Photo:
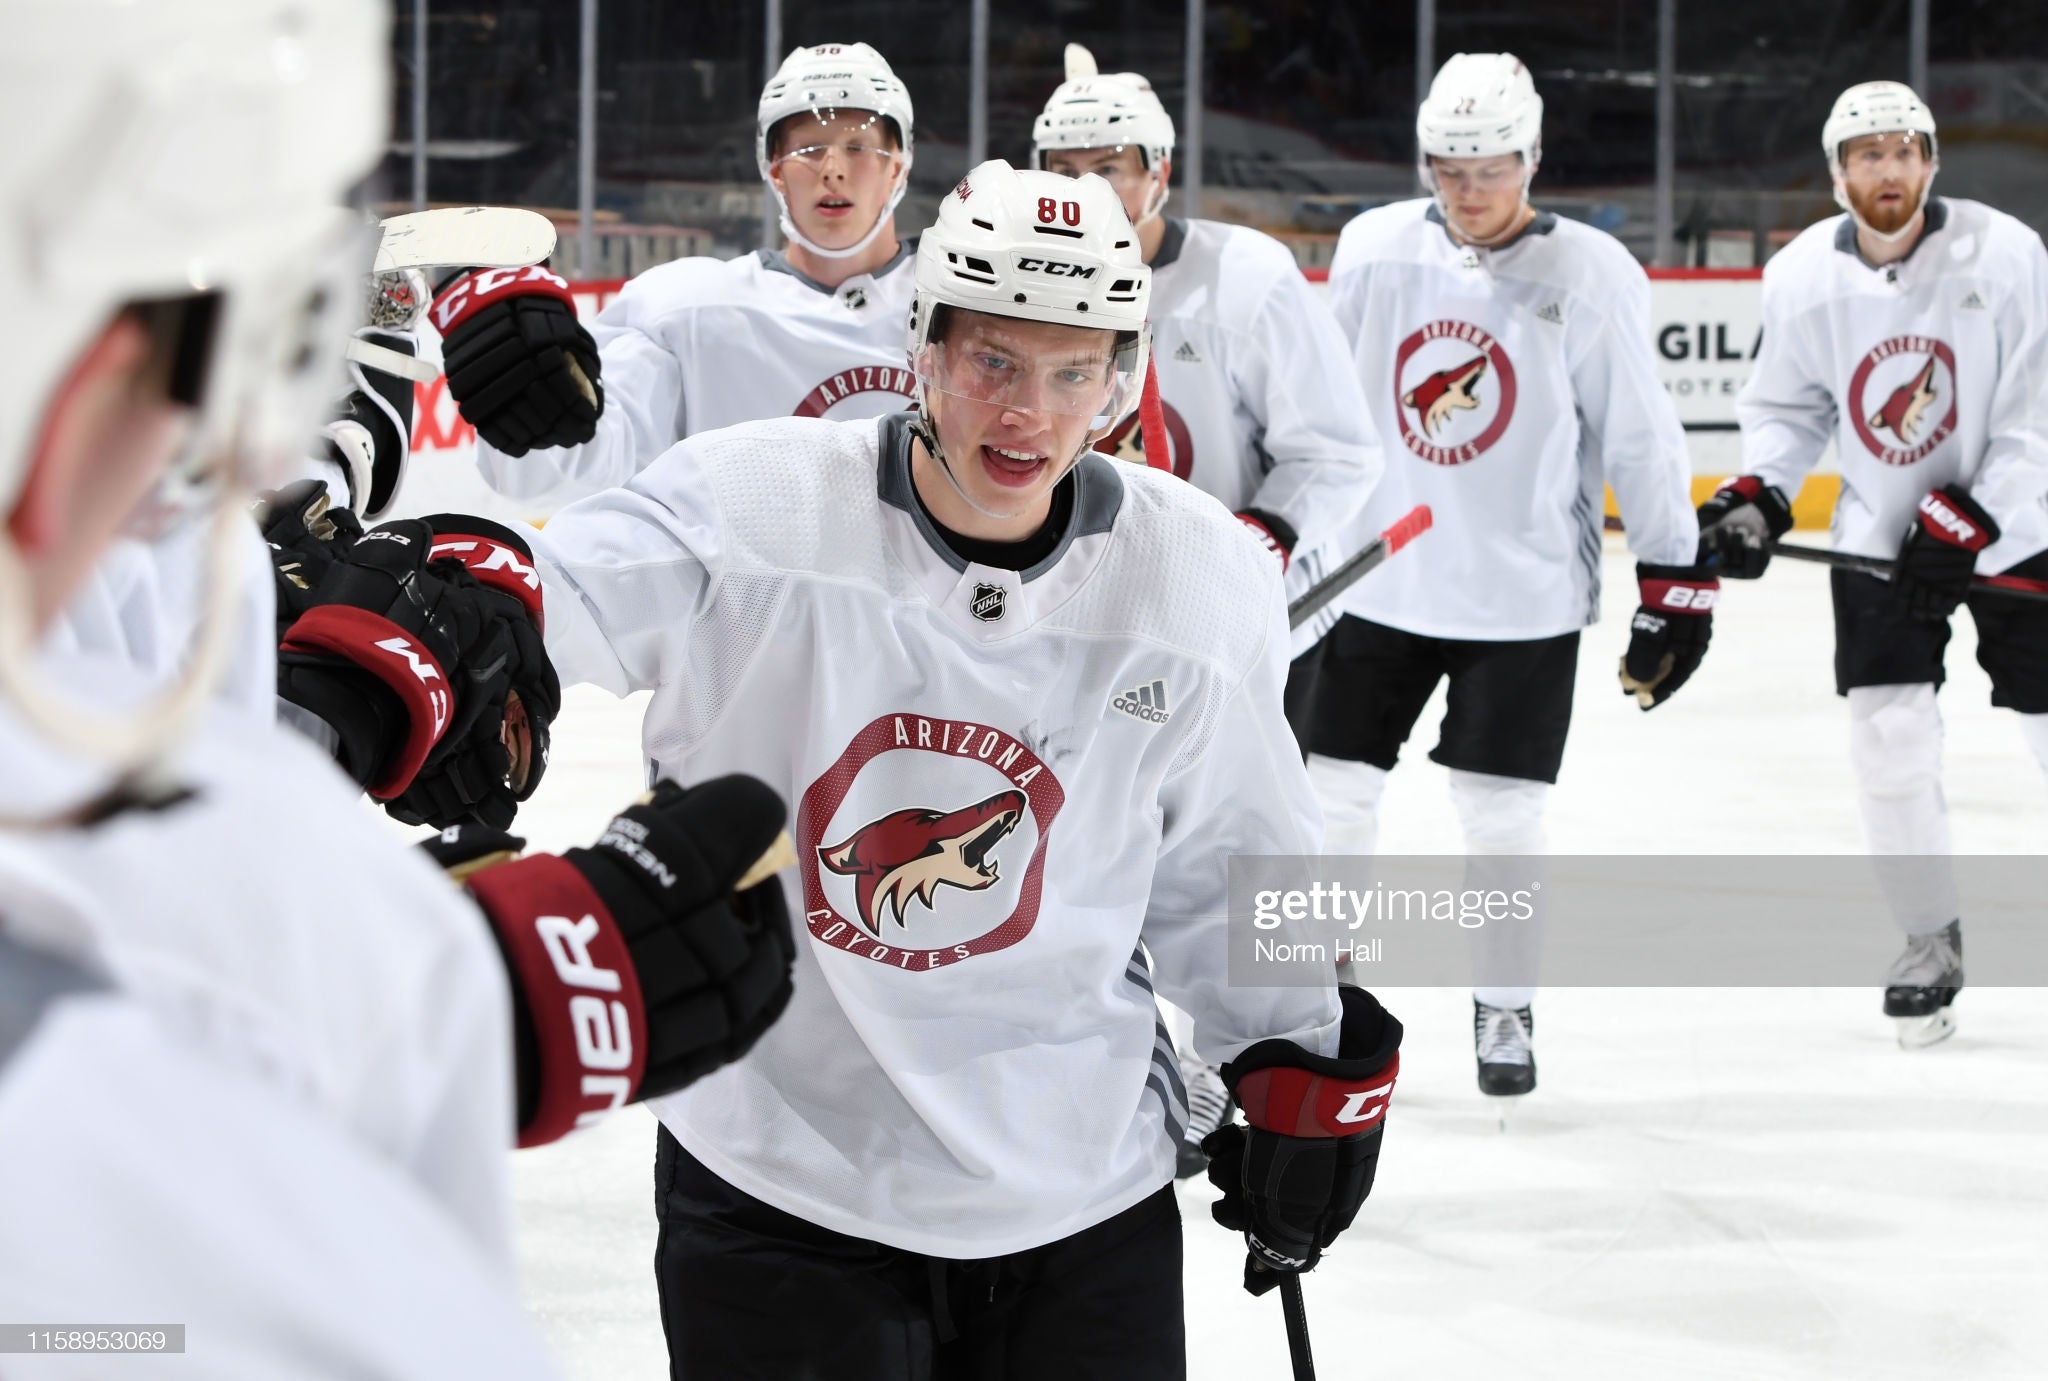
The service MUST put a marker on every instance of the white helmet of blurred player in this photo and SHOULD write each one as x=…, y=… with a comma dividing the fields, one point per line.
x=1481, y=105
x=1035, y=246
x=1105, y=110
x=189, y=160
x=819, y=81
x=1878, y=108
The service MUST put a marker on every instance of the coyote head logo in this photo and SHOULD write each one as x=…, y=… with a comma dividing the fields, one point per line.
x=1444, y=392
x=908, y=854
x=1908, y=403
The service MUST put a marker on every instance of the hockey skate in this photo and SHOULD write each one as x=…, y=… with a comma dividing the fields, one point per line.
x=1501, y=1040
x=1923, y=983
x=1209, y=1105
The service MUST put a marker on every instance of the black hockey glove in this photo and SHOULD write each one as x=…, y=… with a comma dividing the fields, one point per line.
x=521, y=367
x=1939, y=555
x=642, y=963
x=306, y=537
x=1738, y=525
x=370, y=433
x=394, y=658
x=1274, y=532
x=1669, y=634
x=1295, y=1178
x=496, y=750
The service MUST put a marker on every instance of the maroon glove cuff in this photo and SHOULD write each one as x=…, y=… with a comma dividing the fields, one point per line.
x=1679, y=594
x=497, y=556
x=1271, y=537
x=1301, y=1102
x=579, y=986
x=396, y=658
x=472, y=292
x=1950, y=515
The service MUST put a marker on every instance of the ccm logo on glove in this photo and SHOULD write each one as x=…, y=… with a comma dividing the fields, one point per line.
x=473, y=292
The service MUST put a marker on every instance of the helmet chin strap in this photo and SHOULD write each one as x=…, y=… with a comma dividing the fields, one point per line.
x=882, y=221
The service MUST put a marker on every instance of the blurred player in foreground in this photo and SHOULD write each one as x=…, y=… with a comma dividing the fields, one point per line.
x=1912, y=331
x=260, y=1066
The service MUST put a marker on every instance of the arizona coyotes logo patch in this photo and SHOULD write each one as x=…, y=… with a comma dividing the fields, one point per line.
x=907, y=855
x=1126, y=440
x=1902, y=398
x=924, y=843
x=1454, y=392
x=900, y=384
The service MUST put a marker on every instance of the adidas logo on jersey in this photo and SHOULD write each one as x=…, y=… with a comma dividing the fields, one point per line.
x=1146, y=702
x=1551, y=313
x=1187, y=354
x=1972, y=303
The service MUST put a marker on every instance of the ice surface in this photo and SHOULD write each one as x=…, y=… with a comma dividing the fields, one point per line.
x=1707, y=1184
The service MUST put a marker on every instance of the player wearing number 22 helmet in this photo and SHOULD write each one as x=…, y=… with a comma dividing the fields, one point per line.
x=1025, y=703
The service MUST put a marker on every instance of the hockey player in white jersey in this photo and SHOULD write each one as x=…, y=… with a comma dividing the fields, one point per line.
x=1505, y=353
x=814, y=330
x=197, y=920
x=1027, y=703
x=1912, y=331
x=1261, y=406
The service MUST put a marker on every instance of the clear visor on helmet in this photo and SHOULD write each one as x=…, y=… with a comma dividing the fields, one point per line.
x=1032, y=368
x=858, y=139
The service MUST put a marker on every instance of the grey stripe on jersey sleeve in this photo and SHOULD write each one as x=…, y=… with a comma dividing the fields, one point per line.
x=1163, y=1078
x=31, y=982
x=1098, y=496
x=1592, y=521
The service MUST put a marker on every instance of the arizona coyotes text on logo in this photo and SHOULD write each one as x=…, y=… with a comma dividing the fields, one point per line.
x=945, y=813
x=1454, y=392
x=1126, y=441
x=1902, y=398
x=866, y=378
x=908, y=855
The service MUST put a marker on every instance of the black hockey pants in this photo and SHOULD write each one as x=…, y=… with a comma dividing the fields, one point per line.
x=748, y=1291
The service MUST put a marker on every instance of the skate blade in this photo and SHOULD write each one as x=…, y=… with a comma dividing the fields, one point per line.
x=1917, y=1033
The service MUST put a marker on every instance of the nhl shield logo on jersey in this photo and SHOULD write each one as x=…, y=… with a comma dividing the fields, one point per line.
x=849, y=383
x=1454, y=392
x=1902, y=398
x=924, y=843
x=987, y=602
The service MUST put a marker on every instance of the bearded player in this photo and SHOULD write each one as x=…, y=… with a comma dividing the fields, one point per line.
x=1027, y=702
x=1261, y=407
x=1910, y=331
x=814, y=330
x=1505, y=354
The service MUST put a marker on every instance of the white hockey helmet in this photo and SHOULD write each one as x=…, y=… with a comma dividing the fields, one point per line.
x=1878, y=108
x=196, y=154
x=818, y=81
x=1102, y=110
x=1480, y=105
x=1037, y=246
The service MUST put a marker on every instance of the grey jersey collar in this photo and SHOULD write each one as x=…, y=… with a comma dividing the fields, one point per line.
x=775, y=261
x=1098, y=495
x=1545, y=222
x=1936, y=212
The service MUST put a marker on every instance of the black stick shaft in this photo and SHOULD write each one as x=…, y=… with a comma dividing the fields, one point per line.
x=2013, y=587
x=1297, y=1327
x=1310, y=602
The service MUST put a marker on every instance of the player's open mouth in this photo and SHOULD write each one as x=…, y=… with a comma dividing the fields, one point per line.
x=1011, y=468
x=834, y=207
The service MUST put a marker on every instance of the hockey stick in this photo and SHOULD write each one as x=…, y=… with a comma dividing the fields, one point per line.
x=1152, y=423
x=465, y=237
x=1297, y=1327
x=2014, y=586
x=1405, y=530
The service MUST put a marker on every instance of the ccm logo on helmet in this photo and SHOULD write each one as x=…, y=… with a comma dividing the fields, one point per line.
x=1056, y=268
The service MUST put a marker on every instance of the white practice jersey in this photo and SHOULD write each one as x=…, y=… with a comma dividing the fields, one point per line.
x=1506, y=385
x=1262, y=408
x=1007, y=789
x=147, y=1184
x=700, y=344
x=380, y=1003
x=1927, y=372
